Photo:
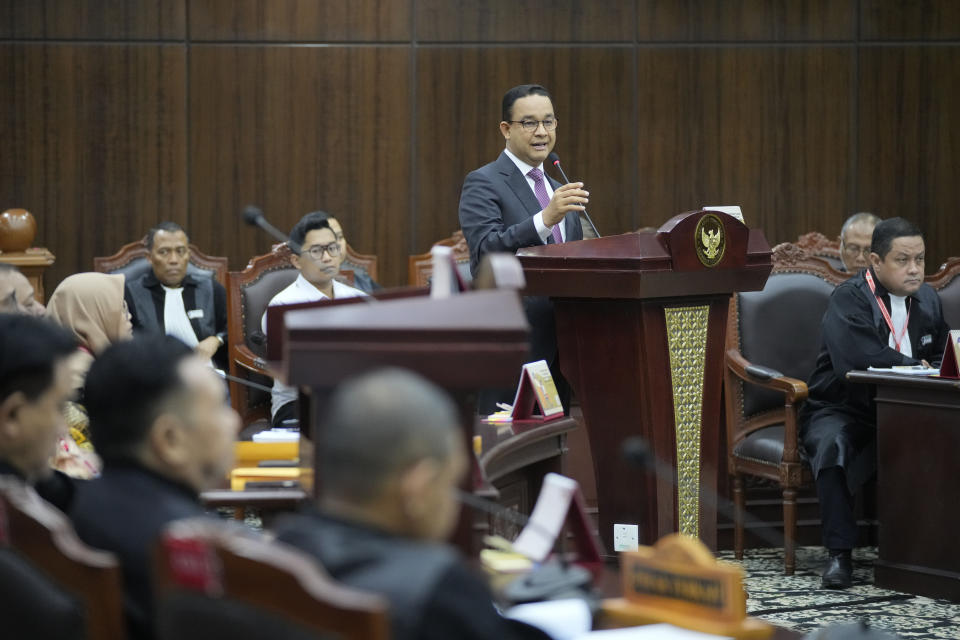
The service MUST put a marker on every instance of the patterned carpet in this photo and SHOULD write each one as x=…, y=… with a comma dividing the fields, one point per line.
x=798, y=603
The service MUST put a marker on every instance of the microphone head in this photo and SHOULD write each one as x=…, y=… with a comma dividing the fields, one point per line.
x=636, y=451
x=252, y=215
x=553, y=158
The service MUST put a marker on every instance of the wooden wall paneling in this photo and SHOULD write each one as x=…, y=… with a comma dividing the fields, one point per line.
x=745, y=20
x=93, y=19
x=765, y=128
x=98, y=145
x=295, y=129
x=458, y=115
x=300, y=20
x=909, y=140
x=909, y=20
x=530, y=21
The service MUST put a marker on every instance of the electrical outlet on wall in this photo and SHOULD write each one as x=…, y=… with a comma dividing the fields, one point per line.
x=626, y=537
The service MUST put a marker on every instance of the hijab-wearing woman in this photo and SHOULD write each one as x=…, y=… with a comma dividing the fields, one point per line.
x=92, y=307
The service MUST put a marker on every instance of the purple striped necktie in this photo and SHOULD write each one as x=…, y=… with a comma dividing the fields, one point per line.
x=540, y=190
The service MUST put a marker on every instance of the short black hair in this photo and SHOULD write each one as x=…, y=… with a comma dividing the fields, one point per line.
x=310, y=222
x=29, y=350
x=377, y=426
x=889, y=230
x=166, y=225
x=521, y=91
x=127, y=387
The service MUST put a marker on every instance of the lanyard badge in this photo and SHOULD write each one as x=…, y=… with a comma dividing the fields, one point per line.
x=897, y=340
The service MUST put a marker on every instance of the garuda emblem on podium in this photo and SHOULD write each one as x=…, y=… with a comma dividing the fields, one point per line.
x=710, y=240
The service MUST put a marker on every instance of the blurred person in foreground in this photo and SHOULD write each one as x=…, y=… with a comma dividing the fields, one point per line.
x=159, y=421
x=391, y=457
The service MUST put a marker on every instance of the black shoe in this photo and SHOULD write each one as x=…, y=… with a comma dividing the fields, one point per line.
x=839, y=572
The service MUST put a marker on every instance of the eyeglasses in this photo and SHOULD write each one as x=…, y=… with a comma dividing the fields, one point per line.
x=316, y=251
x=852, y=250
x=531, y=125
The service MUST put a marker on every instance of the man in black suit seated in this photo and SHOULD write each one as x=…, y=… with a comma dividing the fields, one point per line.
x=169, y=300
x=159, y=421
x=511, y=203
x=881, y=317
x=391, y=457
x=35, y=382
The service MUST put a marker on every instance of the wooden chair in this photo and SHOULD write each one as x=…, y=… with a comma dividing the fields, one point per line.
x=352, y=259
x=773, y=339
x=52, y=585
x=248, y=294
x=818, y=245
x=420, y=266
x=216, y=582
x=947, y=285
x=131, y=261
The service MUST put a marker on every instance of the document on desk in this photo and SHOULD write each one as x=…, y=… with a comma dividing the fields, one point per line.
x=907, y=370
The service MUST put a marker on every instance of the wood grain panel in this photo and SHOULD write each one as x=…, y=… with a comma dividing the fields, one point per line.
x=93, y=19
x=909, y=149
x=458, y=115
x=95, y=145
x=295, y=129
x=300, y=20
x=909, y=20
x=765, y=128
x=527, y=21
x=745, y=20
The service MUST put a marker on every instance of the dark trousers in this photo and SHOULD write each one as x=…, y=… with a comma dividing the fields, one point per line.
x=837, y=520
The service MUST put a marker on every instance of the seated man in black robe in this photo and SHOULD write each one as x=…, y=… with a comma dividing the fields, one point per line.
x=882, y=317
x=391, y=457
x=35, y=382
x=159, y=421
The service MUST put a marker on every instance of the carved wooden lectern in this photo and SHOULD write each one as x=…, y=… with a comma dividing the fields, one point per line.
x=641, y=320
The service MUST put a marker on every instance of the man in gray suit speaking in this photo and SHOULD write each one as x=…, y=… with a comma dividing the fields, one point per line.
x=511, y=203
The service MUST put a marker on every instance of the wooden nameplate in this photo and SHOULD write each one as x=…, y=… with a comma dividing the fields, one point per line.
x=678, y=581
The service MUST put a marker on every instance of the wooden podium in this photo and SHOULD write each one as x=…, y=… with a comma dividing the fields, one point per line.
x=475, y=340
x=641, y=320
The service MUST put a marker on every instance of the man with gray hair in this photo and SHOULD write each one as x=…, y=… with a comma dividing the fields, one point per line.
x=855, y=236
x=391, y=455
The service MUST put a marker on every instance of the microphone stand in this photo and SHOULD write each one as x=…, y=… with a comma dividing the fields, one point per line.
x=556, y=163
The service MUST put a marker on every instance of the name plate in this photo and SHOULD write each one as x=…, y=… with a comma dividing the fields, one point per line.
x=678, y=581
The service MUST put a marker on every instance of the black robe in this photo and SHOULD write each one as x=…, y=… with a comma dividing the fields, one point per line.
x=838, y=421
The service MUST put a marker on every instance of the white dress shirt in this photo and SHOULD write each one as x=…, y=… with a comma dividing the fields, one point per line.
x=542, y=229
x=300, y=290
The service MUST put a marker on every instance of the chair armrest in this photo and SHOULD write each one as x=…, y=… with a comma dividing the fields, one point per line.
x=794, y=390
x=247, y=359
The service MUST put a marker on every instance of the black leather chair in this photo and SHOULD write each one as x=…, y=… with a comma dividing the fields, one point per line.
x=773, y=338
x=947, y=285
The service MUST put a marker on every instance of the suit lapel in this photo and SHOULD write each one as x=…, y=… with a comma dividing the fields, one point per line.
x=518, y=184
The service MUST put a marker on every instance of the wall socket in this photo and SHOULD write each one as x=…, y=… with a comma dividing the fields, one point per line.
x=626, y=537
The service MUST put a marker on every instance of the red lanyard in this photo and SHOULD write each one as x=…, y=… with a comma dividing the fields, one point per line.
x=897, y=340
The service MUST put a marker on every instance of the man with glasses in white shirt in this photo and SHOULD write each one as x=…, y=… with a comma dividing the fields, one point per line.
x=318, y=261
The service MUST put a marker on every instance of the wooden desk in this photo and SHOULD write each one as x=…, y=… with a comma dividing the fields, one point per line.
x=32, y=264
x=918, y=490
x=513, y=461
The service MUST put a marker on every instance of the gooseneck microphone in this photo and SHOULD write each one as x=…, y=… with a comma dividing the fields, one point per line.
x=254, y=217
x=555, y=161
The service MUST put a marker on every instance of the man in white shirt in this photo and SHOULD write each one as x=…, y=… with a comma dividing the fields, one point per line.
x=319, y=263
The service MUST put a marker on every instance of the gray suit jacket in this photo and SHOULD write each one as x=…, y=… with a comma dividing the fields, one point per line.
x=497, y=208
